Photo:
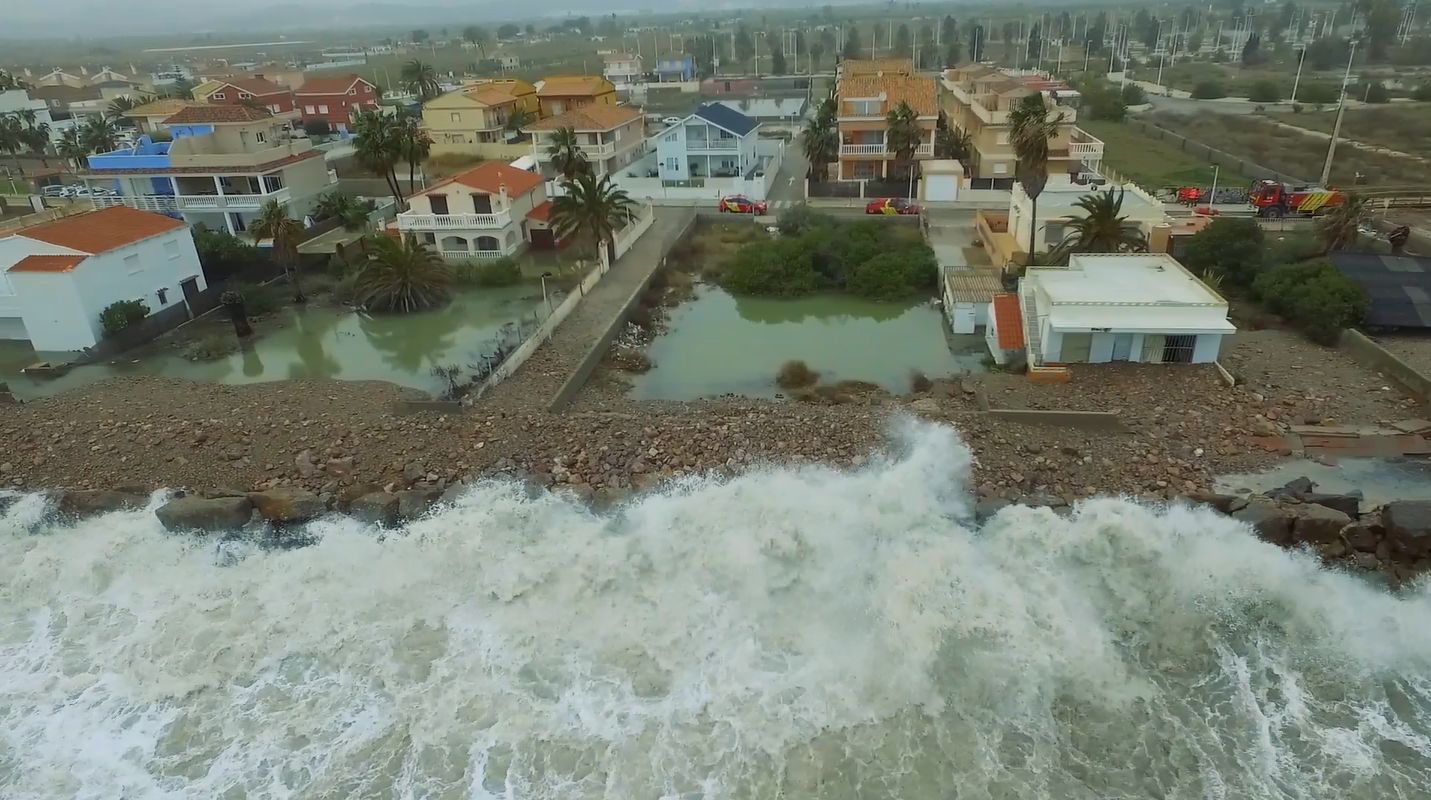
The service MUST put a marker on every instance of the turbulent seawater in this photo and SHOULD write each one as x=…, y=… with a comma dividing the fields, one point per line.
x=794, y=632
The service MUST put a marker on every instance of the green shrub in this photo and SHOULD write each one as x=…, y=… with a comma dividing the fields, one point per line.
x=121, y=314
x=800, y=218
x=262, y=299
x=210, y=347
x=1264, y=92
x=1133, y=95
x=1313, y=296
x=1209, y=90
x=894, y=276
x=223, y=256
x=780, y=268
x=1373, y=92
x=1422, y=92
x=502, y=272
x=1317, y=94
x=1228, y=247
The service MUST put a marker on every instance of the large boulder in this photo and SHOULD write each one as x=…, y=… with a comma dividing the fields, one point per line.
x=1271, y=521
x=91, y=502
x=1408, y=526
x=1364, y=534
x=1222, y=503
x=413, y=503
x=375, y=508
x=209, y=514
x=1317, y=524
x=284, y=505
x=1349, y=504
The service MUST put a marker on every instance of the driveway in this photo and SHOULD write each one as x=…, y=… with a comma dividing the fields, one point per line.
x=789, y=187
x=950, y=231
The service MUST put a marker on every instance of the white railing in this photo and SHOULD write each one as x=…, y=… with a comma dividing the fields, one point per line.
x=862, y=149
x=230, y=202
x=157, y=203
x=408, y=221
x=989, y=117
x=467, y=255
x=924, y=150
x=603, y=149
x=714, y=144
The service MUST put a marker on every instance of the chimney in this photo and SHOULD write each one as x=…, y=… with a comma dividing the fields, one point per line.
x=502, y=192
x=1161, y=239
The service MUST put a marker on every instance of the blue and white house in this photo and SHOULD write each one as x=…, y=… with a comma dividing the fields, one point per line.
x=676, y=68
x=713, y=142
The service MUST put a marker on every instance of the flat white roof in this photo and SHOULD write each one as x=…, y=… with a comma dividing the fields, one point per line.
x=1140, y=291
x=1063, y=194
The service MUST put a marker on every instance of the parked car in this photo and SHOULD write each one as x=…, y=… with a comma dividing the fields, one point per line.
x=740, y=204
x=671, y=121
x=891, y=206
x=85, y=191
x=55, y=190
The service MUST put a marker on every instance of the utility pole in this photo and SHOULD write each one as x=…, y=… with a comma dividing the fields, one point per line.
x=1337, y=126
x=1298, y=80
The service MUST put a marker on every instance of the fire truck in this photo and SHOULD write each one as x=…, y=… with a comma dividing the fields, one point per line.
x=1276, y=199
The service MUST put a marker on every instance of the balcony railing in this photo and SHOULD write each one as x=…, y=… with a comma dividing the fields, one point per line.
x=230, y=202
x=464, y=255
x=409, y=221
x=924, y=150
x=158, y=203
x=713, y=144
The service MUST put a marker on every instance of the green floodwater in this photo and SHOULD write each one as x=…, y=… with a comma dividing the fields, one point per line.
x=721, y=344
x=315, y=342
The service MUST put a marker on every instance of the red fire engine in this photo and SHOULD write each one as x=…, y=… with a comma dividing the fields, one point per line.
x=1275, y=199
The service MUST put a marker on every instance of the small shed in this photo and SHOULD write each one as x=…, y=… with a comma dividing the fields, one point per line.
x=967, y=294
x=941, y=180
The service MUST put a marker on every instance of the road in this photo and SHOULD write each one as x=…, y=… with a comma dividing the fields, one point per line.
x=790, y=180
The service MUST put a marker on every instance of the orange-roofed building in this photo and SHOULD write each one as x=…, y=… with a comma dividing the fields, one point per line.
x=1005, y=332
x=610, y=136
x=481, y=118
x=490, y=211
x=562, y=93
x=256, y=91
x=336, y=100
x=865, y=95
x=56, y=278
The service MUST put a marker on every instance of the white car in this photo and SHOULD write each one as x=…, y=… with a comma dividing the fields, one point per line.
x=671, y=121
x=55, y=190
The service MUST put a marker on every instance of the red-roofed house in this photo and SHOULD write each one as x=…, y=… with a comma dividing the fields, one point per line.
x=57, y=277
x=1005, y=331
x=256, y=91
x=336, y=100
x=489, y=211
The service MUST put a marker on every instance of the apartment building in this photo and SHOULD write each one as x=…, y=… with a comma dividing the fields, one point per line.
x=977, y=99
x=563, y=93
x=223, y=164
x=336, y=100
x=866, y=93
x=489, y=211
x=610, y=136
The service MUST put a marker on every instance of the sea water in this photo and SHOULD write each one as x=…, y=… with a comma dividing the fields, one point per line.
x=794, y=631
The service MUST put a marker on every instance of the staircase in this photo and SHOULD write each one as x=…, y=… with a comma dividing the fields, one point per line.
x=1038, y=371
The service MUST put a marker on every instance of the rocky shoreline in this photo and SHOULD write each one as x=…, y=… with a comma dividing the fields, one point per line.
x=1393, y=539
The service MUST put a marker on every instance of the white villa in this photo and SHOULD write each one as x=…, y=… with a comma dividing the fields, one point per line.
x=489, y=211
x=715, y=141
x=1056, y=205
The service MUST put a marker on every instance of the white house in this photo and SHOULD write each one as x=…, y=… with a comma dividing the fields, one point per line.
x=56, y=278
x=623, y=69
x=489, y=211
x=1057, y=204
x=713, y=142
x=1102, y=307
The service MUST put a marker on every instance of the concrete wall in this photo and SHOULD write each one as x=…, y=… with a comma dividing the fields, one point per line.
x=1100, y=350
x=1372, y=355
x=54, y=311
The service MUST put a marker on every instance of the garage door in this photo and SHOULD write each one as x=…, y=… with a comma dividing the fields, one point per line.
x=12, y=328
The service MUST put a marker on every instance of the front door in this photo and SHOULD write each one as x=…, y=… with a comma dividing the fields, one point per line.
x=192, y=299
x=1122, y=346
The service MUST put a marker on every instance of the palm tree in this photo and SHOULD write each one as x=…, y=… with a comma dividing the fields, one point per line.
x=72, y=149
x=594, y=208
x=950, y=142
x=1030, y=129
x=274, y=223
x=903, y=136
x=476, y=34
x=565, y=153
x=121, y=105
x=348, y=210
x=821, y=140
x=99, y=135
x=1341, y=226
x=420, y=79
x=519, y=118
x=12, y=139
x=413, y=144
x=402, y=276
x=1102, y=228
x=377, y=148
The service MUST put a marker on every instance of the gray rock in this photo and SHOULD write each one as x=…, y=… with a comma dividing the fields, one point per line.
x=1363, y=534
x=1348, y=504
x=1302, y=485
x=1408, y=526
x=985, y=509
x=209, y=514
x=1366, y=561
x=1271, y=521
x=926, y=406
x=77, y=503
x=413, y=503
x=1224, y=503
x=452, y=493
x=287, y=505
x=376, y=508
x=1317, y=524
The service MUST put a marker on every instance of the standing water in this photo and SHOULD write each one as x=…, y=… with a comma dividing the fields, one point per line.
x=791, y=632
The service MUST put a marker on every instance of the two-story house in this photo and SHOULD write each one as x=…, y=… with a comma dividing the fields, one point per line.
x=714, y=141
x=864, y=102
x=56, y=278
x=610, y=136
x=563, y=93
x=489, y=211
x=525, y=92
x=977, y=99
x=623, y=69
x=477, y=120
x=223, y=164
x=150, y=117
x=256, y=91
x=336, y=100
x=675, y=68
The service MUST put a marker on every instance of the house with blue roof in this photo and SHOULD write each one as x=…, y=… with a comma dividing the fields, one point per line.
x=715, y=141
x=675, y=68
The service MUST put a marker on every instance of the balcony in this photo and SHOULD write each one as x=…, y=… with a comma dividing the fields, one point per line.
x=925, y=150
x=230, y=202
x=421, y=222
x=601, y=150
x=464, y=255
x=159, y=203
x=713, y=144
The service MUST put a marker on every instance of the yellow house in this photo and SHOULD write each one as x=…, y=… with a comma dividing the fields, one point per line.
x=563, y=93
x=525, y=93
x=474, y=120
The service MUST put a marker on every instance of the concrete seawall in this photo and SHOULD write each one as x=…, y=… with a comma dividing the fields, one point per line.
x=1372, y=355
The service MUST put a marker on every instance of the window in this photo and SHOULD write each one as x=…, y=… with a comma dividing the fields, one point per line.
x=864, y=108
x=245, y=96
x=1002, y=138
x=322, y=109
x=1053, y=233
x=673, y=164
x=275, y=109
x=353, y=91
x=430, y=238
x=1001, y=169
x=171, y=249
x=132, y=265
x=438, y=203
x=260, y=136
x=456, y=116
x=1178, y=349
x=308, y=109
x=217, y=95
x=1075, y=348
x=163, y=297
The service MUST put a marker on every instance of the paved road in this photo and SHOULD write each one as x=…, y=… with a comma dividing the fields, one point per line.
x=790, y=180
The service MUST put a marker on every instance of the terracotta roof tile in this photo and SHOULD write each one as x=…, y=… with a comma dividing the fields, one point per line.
x=596, y=117
x=97, y=232
x=1009, y=321
x=337, y=84
x=159, y=108
x=489, y=176
x=541, y=213
x=490, y=95
x=920, y=93
x=889, y=66
x=207, y=114
x=47, y=263
x=574, y=85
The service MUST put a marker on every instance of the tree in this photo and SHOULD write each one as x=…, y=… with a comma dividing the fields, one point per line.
x=951, y=142
x=1380, y=20
x=903, y=43
x=476, y=35
x=821, y=140
x=1339, y=228
x=1371, y=91
x=8, y=82
x=508, y=31
x=1314, y=296
x=1229, y=249
x=594, y=208
x=1030, y=129
x=274, y=223
x=519, y=118
x=72, y=149
x=948, y=29
x=565, y=153
x=1264, y=91
x=402, y=276
x=851, y=47
x=777, y=61
x=99, y=135
x=1208, y=90
x=351, y=212
x=1252, y=51
x=12, y=139
x=376, y=147
x=121, y=314
x=1008, y=39
x=817, y=54
x=1035, y=45
x=903, y=136
x=1326, y=54
x=420, y=79
x=1133, y=95
x=976, y=43
x=744, y=44
x=1102, y=228
x=1422, y=92
x=419, y=36
x=413, y=144
x=1317, y=94
x=120, y=106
